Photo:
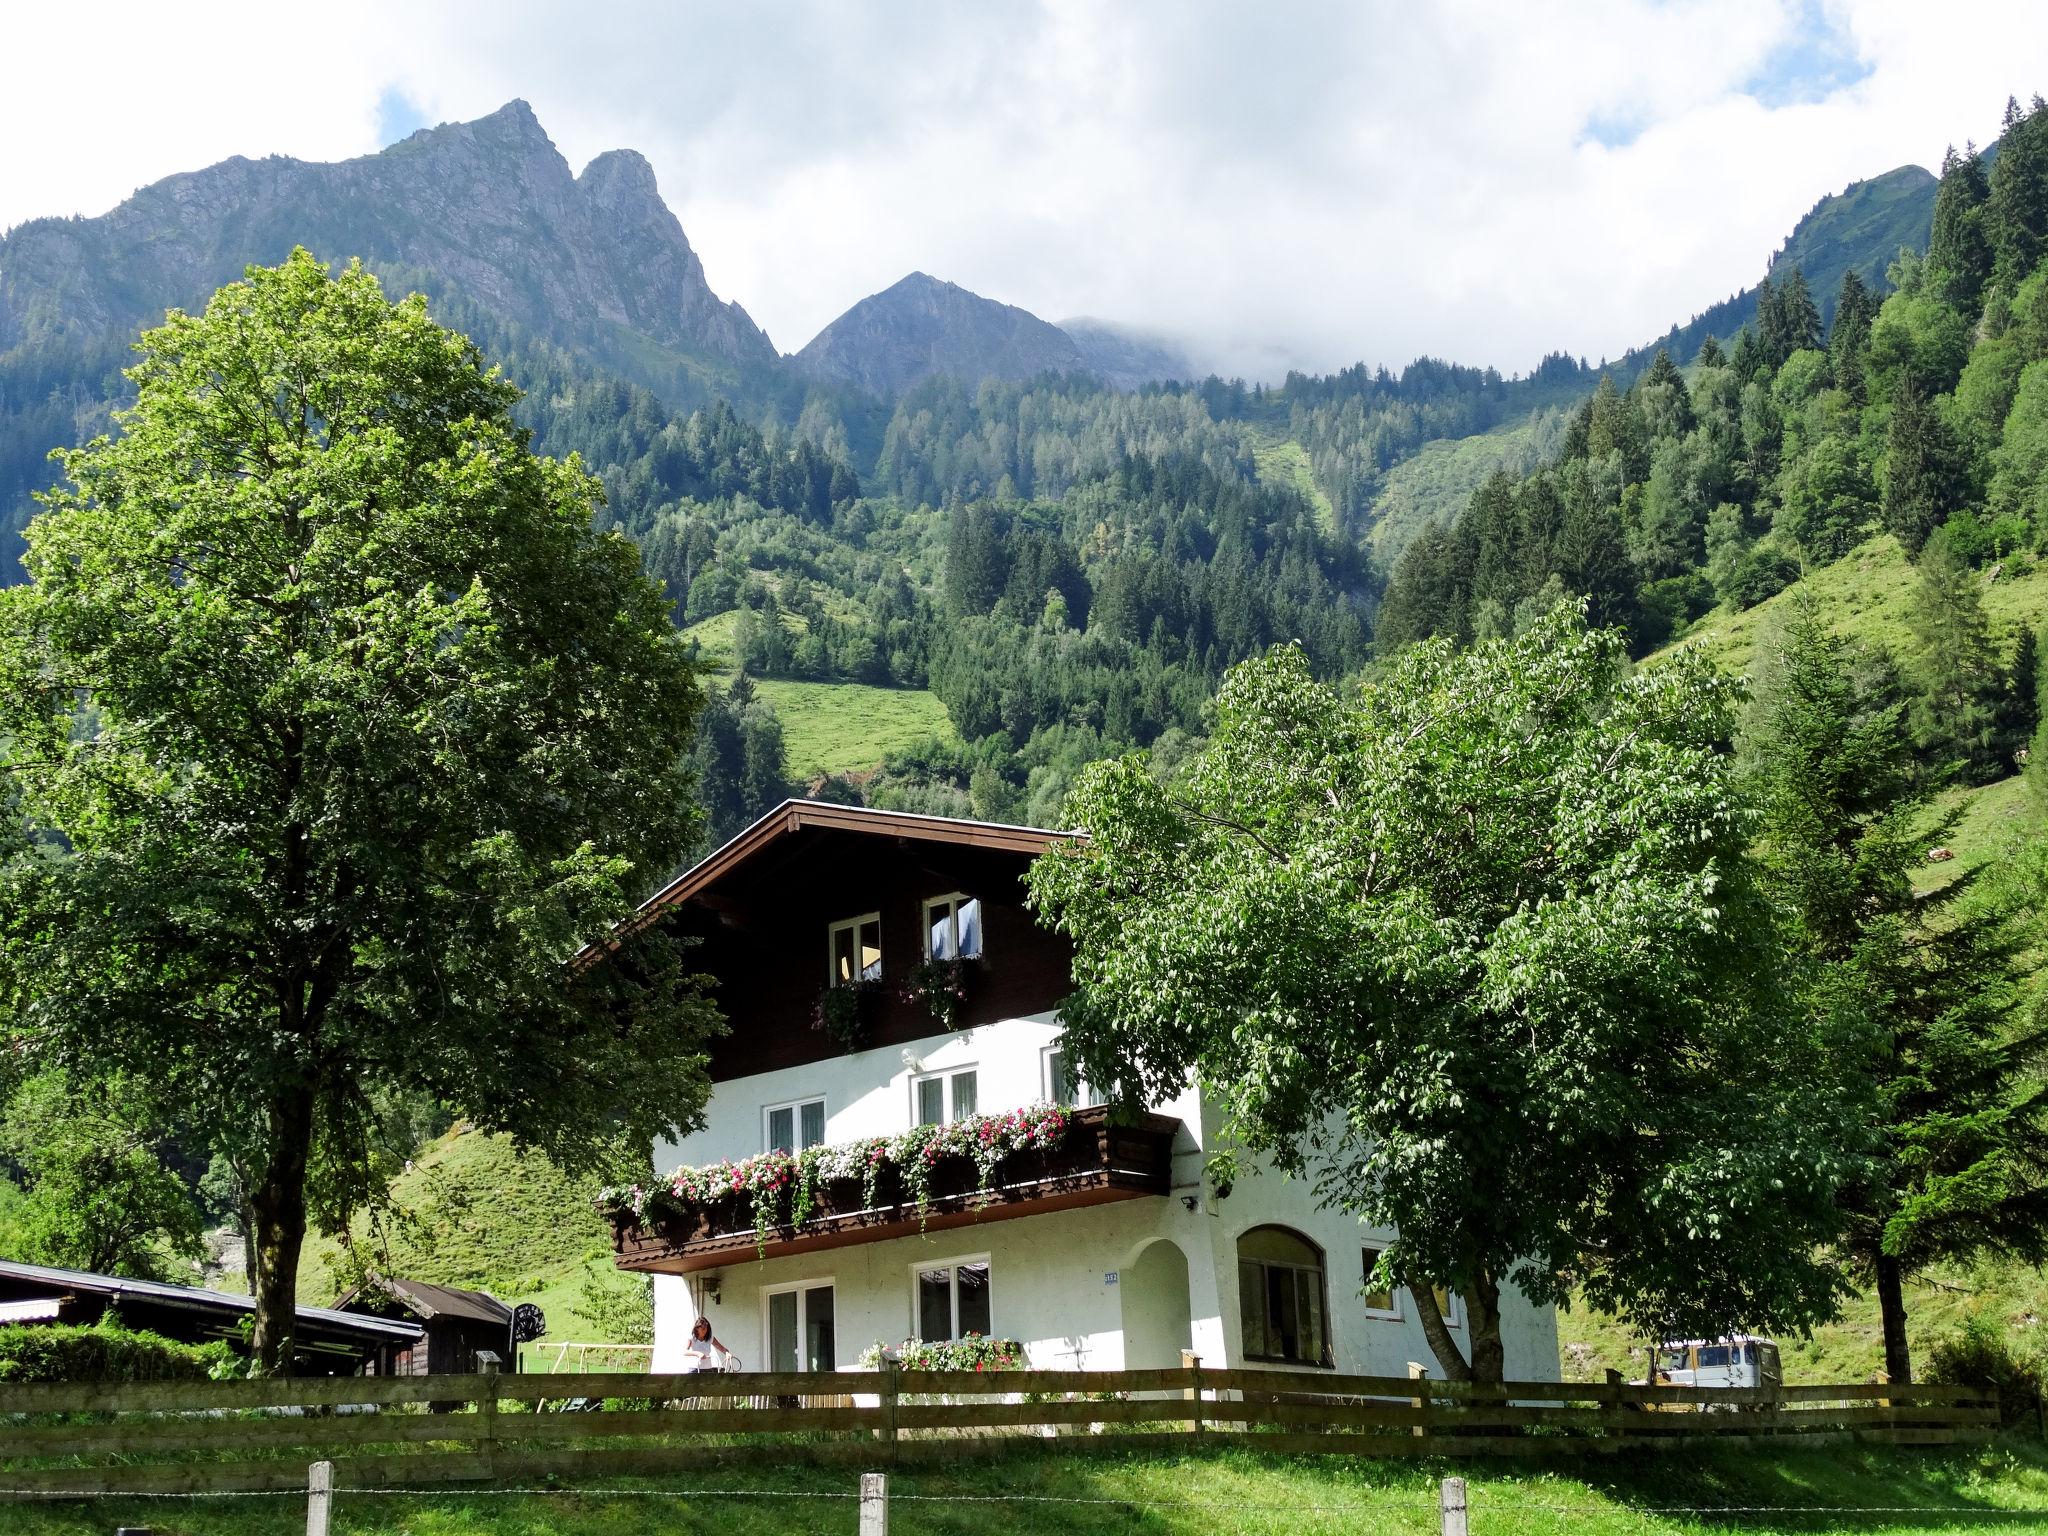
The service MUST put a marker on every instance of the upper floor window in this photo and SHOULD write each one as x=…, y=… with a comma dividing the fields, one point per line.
x=793, y=1127
x=1280, y=1297
x=944, y=1096
x=952, y=928
x=854, y=950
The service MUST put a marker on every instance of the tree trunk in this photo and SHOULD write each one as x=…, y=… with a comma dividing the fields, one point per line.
x=1891, y=1305
x=1482, y=1320
x=277, y=1230
x=1441, y=1344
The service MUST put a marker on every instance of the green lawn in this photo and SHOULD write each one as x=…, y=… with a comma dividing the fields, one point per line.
x=842, y=727
x=2000, y=1487
x=834, y=727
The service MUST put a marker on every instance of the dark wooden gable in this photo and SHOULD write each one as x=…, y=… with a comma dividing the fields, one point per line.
x=763, y=917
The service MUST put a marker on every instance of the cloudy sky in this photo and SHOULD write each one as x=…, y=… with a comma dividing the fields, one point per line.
x=1284, y=182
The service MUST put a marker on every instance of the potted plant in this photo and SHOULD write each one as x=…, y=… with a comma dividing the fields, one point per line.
x=940, y=987
x=845, y=1012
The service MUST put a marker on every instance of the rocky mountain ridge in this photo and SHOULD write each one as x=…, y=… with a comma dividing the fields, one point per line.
x=491, y=207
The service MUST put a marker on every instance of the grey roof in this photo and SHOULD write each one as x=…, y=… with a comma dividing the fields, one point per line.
x=430, y=1301
x=194, y=1296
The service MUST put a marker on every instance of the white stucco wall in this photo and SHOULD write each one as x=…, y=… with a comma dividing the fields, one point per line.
x=1058, y=1280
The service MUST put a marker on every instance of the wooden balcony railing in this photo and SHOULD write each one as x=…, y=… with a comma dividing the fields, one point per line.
x=1095, y=1162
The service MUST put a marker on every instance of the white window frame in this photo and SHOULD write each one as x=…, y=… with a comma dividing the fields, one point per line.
x=1452, y=1312
x=832, y=932
x=1084, y=1094
x=796, y=1120
x=952, y=899
x=1392, y=1312
x=944, y=1075
x=952, y=1265
x=798, y=1286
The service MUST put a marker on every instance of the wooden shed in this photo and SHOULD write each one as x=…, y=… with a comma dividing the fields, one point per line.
x=454, y=1324
x=327, y=1342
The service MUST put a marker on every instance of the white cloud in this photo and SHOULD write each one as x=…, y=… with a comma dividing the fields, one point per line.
x=1333, y=181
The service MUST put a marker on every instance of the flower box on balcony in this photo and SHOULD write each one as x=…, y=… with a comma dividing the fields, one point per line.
x=982, y=1168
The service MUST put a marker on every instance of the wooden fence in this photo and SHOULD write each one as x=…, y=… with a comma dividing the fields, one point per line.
x=415, y=1431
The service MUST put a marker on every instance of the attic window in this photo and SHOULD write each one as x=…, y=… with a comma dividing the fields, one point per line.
x=952, y=928
x=854, y=950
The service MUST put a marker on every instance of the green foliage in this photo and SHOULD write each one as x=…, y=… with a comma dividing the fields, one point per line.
x=316, y=659
x=104, y=1351
x=973, y=1353
x=1479, y=947
x=619, y=1308
x=1914, y=992
x=1981, y=1357
x=99, y=1196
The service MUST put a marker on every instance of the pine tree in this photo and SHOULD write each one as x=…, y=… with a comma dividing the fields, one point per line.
x=1955, y=670
x=1914, y=992
x=1665, y=402
x=1958, y=250
x=1849, y=340
x=2016, y=210
x=2019, y=704
x=1919, y=490
x=1710, y=355
x=1787, y=322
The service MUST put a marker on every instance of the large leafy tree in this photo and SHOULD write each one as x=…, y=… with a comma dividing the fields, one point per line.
x=1916, y=991
x=1477, y=946
x=336, y=730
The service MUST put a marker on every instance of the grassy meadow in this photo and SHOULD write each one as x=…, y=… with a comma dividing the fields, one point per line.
x=2003, y=1486
x=832, y=727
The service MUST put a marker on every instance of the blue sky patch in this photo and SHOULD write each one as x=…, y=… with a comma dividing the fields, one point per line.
x=397, y=117
x=1818, y=60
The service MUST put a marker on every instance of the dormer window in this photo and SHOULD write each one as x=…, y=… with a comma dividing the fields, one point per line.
x=952, y=928
x=854, y=950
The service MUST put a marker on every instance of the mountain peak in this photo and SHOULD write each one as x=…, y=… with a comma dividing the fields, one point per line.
x=620, y=173
x=922, y=325
x=513, y=121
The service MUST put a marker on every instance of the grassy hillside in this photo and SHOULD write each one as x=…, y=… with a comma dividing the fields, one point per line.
x=1437, y=483
x=1867, y=594
x=2003, y=1486
x=1282, y=461
x=473, y=1211
x=2013, y=1296
x=834, y=727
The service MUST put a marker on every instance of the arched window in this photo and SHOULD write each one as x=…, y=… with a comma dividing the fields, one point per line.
x=1280, y=1297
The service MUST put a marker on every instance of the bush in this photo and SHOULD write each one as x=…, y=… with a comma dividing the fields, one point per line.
x=106, y=1351
x=1982, y=1358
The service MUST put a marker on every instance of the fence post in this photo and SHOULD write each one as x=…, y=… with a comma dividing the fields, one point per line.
x=1452, y=1506
x=891, y=1371
x=1419, y=1373
x=487, y=1408
x=874, y=1504
x=1192, y=1363
x=319, y=1496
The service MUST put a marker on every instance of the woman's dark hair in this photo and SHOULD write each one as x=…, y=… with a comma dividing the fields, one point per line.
x=704, y=1323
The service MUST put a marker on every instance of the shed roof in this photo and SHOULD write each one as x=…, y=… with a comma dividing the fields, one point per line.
x=195, y=1298
x=427, y=1301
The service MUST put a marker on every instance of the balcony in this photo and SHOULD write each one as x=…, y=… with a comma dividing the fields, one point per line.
x=1093, y=1163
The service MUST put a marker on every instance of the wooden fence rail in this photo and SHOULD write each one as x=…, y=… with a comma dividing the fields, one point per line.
x=259, y=1435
